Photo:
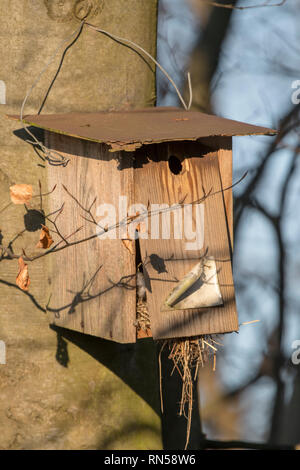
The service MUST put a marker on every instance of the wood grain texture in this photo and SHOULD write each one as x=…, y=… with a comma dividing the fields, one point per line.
x=225, y=165
x=107, y=306
x=223, y=147
x=167, y=260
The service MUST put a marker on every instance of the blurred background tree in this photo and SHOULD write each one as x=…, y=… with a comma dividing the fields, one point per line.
x=244, y=63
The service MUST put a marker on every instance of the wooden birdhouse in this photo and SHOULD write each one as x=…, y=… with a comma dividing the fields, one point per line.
x=146, y=195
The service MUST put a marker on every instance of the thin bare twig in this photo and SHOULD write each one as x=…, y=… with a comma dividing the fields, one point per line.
x=247, y=7
x=212, y=444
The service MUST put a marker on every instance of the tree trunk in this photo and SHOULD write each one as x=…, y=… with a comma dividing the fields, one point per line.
x=205, y=56
x=60, y=389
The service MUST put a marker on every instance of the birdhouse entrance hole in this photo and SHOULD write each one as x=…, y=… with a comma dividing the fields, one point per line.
x=175, y=165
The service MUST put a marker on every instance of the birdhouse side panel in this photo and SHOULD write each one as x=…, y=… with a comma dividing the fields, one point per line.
x=92, y=277
x=192, y=229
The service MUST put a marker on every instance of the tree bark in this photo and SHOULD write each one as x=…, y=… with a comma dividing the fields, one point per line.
x=60, y=389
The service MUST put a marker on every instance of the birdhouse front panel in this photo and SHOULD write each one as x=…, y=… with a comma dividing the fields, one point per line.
x=186, y=253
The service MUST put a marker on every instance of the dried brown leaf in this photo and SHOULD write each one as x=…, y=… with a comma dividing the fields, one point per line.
x=20, y=193
x=23, y=280
x=45, y=238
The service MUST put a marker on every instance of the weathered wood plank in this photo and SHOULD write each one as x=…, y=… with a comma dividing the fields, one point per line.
x=225, y=165
x=223, y=147
x=168, y=260
x=106, y=307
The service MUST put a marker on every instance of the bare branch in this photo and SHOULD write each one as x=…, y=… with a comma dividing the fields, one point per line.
x=210, y=444
x=64, y=239
x=234, y=7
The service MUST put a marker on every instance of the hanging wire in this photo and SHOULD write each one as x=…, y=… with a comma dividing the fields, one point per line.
x=54, y=157
x=190, y=90
x=135, y=45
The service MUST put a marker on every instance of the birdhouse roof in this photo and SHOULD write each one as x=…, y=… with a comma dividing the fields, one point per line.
x=129, y=130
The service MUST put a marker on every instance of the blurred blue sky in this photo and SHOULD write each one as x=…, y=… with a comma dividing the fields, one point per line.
x=259, y=62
